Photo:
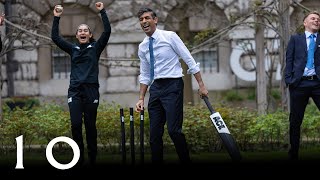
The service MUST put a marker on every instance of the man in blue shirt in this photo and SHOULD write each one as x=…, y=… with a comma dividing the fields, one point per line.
x=160, y=69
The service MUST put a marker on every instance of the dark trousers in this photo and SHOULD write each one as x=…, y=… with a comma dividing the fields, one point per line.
x=166, y=106
x=299, y=98
x=83, y=103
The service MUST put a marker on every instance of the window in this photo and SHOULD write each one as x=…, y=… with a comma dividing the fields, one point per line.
x=208, y=60
x=61, y=62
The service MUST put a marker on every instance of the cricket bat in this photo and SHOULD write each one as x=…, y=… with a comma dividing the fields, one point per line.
x=223, y=131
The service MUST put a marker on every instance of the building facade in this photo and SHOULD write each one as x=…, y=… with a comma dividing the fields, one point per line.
x=44, y=69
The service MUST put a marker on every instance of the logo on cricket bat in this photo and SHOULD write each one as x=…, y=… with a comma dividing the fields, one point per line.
x=219, y=123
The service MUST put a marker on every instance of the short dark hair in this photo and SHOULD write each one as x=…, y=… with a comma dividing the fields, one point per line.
x=144, y=10
x=312, y=12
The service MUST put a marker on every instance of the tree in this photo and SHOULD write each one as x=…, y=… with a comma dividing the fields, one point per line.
x=275, y=17
x=284, y=21
x=10, y=63
x=24, y=32
x=261, y=90
x=188, y=91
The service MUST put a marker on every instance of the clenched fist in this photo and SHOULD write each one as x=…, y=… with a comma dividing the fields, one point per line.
x=99, y=6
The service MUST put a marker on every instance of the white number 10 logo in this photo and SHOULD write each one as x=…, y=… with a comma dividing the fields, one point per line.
x=50, y=158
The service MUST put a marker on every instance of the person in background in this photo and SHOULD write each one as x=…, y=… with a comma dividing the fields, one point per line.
x=83, y=92
x=302, y=74
x=160, y=69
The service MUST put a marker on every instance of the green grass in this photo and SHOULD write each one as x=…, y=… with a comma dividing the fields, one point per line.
x=35, y=158
x=254, y=164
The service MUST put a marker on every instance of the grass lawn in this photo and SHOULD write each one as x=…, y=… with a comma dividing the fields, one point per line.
x=218, y=163
x=38, y=157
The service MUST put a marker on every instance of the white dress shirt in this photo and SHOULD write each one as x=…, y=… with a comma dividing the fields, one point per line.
x=167, y=48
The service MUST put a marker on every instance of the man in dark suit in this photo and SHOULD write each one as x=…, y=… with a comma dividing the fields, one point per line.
x=302, y=75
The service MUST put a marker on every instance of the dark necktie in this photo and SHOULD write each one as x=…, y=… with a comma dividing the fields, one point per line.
x=151, y=59
x=311, y=52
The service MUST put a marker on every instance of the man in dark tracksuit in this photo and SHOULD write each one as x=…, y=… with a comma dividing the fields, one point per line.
x=83, y=93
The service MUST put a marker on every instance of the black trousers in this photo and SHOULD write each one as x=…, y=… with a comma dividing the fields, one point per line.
x=83, y=103
x=299, y=98
x=166, y=105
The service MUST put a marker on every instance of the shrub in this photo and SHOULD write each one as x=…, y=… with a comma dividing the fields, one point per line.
x=41, y=124
x=233, y=96
x=23, y=102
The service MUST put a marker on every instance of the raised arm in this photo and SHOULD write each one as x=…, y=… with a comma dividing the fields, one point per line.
x=56, y=38
x=104, y=38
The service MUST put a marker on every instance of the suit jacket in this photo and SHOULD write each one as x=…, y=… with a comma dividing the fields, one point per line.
x=296, y=59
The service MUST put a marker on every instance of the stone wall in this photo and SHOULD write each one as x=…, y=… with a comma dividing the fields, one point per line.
x=33, y=76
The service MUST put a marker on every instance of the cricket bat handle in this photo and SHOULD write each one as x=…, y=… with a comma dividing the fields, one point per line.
x=206, y=100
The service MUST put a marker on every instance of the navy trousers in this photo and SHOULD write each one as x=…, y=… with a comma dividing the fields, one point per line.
x=166, y=106
x=299, y=98
x=83, y=103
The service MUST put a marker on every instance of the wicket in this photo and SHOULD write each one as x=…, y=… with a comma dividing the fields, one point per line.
x=133, y=159
x=123, y=137
x=142, y=136
x=132, y=143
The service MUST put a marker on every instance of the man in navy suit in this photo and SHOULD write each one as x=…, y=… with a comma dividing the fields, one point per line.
x=302, y=76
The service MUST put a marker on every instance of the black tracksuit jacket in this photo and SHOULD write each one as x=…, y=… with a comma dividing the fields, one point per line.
x=84, y=57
